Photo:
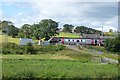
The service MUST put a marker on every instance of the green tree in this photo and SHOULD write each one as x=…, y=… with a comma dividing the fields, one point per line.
x=113, y=44
x=4, y=26
x=25, y=31
x=86, y=30
x=46, y=28
x=8, y=28
x=110, y=30
x=68, y=28
x=13, y=31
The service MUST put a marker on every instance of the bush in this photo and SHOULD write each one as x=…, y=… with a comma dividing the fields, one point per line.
x=49, y=49
x=113, y=45
x=29, y=49
x=10, y=48
x=10, y=45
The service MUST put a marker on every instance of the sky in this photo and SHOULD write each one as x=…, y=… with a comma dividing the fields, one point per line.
x=89, y=14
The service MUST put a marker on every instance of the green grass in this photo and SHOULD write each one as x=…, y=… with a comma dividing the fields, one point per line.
x=109, y=33
x=63, y=55
x=72, y=35
x=5, y=38
x=50, y=68
x=105, y=52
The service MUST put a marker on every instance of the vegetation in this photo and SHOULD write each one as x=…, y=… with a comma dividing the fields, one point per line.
x=25, y=31
x=12, y=48
x=6, y=39
x=113, y=44
x=86, y=30
x=8, y=28
x=68, y=28
x=46, y=28
x=105, y=53
x=110, y=33
x=53, y=61
x=46, y=68
x=67, y=34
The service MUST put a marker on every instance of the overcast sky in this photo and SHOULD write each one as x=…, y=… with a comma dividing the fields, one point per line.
x=90, y=14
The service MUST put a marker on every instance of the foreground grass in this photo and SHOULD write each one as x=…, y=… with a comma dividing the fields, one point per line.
x=54, y=66
x=47, y=68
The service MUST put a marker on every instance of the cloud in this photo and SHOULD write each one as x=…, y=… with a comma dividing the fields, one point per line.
x=76, y=13
x=76, y=10
x=59, y=1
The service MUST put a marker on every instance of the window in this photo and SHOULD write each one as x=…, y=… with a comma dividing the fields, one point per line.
x=77, y=40
x=83, y=40
x=103, y=41
x=66, y=39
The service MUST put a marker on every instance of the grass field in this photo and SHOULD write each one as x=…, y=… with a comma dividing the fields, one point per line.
x=24, y=67
x=5, y=38
x=72, y=35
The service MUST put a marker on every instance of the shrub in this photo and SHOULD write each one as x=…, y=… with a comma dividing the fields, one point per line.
x=60, y=47
x=29, y=49
x=10, y=48
x=49, y=49
x=113, y=45
x=10, y=45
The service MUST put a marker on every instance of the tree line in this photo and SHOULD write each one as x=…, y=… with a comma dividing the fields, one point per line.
x=46, y=28
x=79, y=29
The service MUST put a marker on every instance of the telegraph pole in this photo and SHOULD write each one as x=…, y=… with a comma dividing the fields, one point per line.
x=102, y=28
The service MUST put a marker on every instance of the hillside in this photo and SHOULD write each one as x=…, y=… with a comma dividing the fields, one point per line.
x=5, y=38
x=73, y=35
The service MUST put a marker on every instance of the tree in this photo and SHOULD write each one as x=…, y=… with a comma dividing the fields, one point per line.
x=46, y=28
x=86, y=30
x=110, y=30
x=8, y=28
x=113, y=44
x=25, y=31
x=13, y=31
x=68, y=28
x=4, y=26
